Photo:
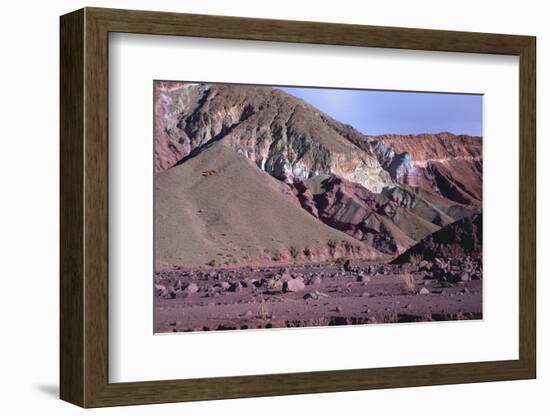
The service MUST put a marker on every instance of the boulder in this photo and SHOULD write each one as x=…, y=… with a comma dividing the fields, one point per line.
x=235, y=287
x=160, y=290
x=315, y=280
x=223, y=285
x=191, y=288
x=273, y=284
x=464, y=277
x=294, y=285
x=362, y=277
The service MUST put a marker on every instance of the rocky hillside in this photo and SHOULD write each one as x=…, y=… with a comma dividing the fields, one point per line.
x=459, y=239
x=384, y=193
x=206, y=214
x=447, y=164
x=390, y=221
x=281, y=134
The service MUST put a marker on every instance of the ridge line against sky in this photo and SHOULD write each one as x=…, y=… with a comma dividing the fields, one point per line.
x=375, y=112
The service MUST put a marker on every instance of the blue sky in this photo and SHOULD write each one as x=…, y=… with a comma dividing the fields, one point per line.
x=379, y=112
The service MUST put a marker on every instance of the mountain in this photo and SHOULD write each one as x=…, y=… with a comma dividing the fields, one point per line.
x=283, y=135
x=446, y=164
x=293, y=141
x=461, y=238
x=383, y=193
x=206, y=213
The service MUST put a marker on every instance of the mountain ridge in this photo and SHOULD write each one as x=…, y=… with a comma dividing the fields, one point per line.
x=282, y=134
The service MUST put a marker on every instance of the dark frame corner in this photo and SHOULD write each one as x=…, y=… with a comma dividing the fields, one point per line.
x=84, y=209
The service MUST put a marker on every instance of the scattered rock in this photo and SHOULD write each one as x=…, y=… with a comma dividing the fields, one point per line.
x=315, y=280
x=363, y=278
x=191, y=288
x=224, y=285
x=425, y=265
x=294, y=285
x=285, y=277
x=273, y=284
x=424, y=291
x=315, y=295
x=348, y=267
x=160, y=290
x=464, y=277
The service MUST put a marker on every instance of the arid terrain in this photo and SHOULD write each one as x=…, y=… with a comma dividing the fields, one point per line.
x=312, y=295
x=269, y=213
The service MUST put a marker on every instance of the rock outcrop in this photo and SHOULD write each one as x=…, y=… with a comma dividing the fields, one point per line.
x=355, y=210
x=390, y=221
x=397, y=164
x=305, y=198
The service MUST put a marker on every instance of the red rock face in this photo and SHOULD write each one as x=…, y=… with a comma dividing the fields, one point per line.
x=447, y=164
x=435, y=147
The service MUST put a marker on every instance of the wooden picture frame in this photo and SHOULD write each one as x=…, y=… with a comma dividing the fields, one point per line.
x=84, y=207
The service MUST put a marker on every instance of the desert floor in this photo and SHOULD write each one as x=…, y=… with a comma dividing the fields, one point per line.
x=310, y=295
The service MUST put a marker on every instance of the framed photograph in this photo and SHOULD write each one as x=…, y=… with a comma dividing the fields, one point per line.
x=257, y=207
